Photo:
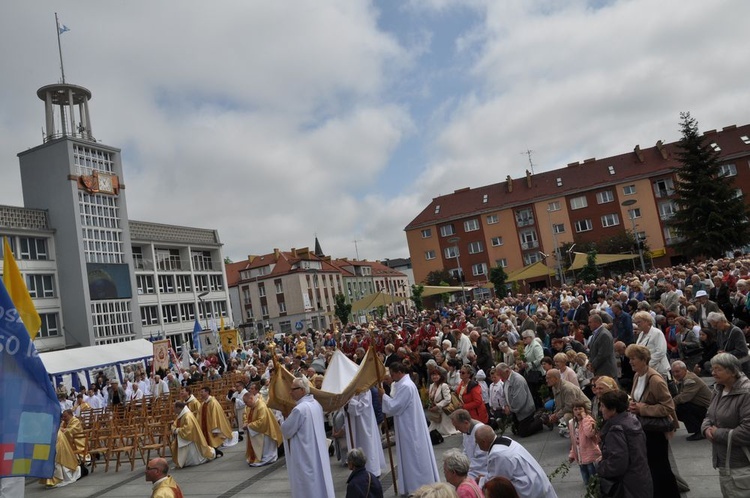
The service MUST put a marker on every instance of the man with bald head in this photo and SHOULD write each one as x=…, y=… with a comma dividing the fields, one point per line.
x=157, y=472
x=509, y=459
x=565, y=393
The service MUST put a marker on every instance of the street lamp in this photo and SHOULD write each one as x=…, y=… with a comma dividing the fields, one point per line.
x=557, y=248
x=456, y=240
x=631, y=215
x=203, y=306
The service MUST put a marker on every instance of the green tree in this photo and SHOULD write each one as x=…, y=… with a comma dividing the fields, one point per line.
x=342, y=309
x=590, y=271
x=228, y=260
x=498, y=278
x=416, y=296
x=710, y=219
x=435, y=277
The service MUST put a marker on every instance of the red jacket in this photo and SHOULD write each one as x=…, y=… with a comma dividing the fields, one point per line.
x=473, y=403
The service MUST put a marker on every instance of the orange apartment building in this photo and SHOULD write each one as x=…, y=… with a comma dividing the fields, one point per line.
x=520, y=221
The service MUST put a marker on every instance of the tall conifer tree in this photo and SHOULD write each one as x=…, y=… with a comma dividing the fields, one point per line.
x=710, y=219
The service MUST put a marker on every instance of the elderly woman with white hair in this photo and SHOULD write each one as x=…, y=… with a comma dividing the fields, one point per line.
x=653, y=339
x=727, y=423
x=532, y=364
x=456, y=469
x=730, y=339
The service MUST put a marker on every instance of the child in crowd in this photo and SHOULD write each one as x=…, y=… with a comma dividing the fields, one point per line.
x=584, y=441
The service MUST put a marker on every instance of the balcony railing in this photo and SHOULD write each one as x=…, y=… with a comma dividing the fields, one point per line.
x=524, y=222
x=529, y=245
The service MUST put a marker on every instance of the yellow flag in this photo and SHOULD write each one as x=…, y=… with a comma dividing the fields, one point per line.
x=18, y=292
x=221, y=323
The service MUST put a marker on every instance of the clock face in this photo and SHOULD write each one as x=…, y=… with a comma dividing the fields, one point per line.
x=105, y=183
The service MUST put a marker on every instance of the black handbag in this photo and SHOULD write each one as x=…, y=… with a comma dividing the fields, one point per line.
x=611, y=488
x=656, y=424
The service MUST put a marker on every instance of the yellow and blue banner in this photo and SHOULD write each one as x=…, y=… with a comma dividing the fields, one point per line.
x=29, y=412
x=19, y=293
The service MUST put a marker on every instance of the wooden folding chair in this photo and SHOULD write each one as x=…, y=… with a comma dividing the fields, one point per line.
x=99, y=447
x=124, y=440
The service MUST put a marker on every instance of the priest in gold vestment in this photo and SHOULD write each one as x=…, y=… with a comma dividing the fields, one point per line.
x=263, y=431
x=189, y=447
x=213, y=421
x=164, y=486
x=70, y=440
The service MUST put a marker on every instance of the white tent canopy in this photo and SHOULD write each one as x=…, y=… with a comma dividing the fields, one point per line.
x=75, y=360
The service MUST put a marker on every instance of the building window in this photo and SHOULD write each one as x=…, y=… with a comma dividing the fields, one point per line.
x=502, y=262
x=492, y=219
x=583, y=226
x=553, y=206
x=529, y=240
x=170, y=313
x=33, y=248
x=427, y=233
x=525, y=217
x=264, y=310
x=671, y=236
x=168, y=259
x=246, y=295
x=727, y=170
x=201, y=283
x=451, y=252
x=479, y=269
x=531, y=258
x=50, y=326
x=216, y=282
x=610, y=220
x=485, y=198
x=166, y=284
x=428, y=255
x=558, y=228
x=634, y=213
x=101, y=233
x=559, y=182
x=40, y=285
x=667, y=210
x=149, y=315
x=628, y=190
x=476, y=247
x=447, y=230
x=261, y=290
x=184, y=283
x=279, y=287
x=471, y=225
x=496, y=241
x=604, y=197
x=187, y=312
x=113, y=321
x=282, y=307
x=437, y=209
x=145, y=284
x=578, y=202
x=202, y=261
x=664, y=188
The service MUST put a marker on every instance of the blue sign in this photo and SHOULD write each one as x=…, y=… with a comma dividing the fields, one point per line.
x=299, y=325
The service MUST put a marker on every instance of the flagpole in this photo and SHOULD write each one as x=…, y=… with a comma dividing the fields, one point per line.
x=59, y=47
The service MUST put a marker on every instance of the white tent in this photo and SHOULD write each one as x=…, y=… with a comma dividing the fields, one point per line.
x=75, y=361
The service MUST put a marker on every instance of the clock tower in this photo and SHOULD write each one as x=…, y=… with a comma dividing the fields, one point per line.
x=79, y=182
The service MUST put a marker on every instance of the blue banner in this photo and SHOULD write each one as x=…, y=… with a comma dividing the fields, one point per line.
x=29, y=411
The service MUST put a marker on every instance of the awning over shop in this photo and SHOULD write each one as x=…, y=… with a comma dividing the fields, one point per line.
x=601, y=259
x=538, y=269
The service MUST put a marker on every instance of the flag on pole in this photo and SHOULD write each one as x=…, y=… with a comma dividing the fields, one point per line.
x=18, y=292
x=196, y=339
x=29, y=413
x=63, y=28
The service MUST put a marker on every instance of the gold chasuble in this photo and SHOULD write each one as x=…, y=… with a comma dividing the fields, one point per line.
x=212, y=417
x=186, y=428
x=64, y=457
x=73, y=430
x=167, y=488
x=260, y=419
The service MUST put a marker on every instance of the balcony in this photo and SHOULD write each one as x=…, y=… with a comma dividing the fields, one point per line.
x=524, y=222
x=173, y=264
x=532, y=244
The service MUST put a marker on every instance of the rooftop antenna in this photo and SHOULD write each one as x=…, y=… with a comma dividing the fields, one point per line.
x=60, y=30
x=528, y=152
x=356, y=249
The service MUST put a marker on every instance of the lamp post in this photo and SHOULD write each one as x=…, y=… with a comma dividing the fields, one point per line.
x=631, y=215
x=570, y=257
x=203, y=306
x=456, y=240
x=557, y=248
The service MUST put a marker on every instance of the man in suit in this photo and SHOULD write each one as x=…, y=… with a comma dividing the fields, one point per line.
x=601, y=349
x=703, y=307
x=578, y=312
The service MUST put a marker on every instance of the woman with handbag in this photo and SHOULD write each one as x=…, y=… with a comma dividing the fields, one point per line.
x=439, y=399
x=470, y=394
x=652, y=403
x=727, y=425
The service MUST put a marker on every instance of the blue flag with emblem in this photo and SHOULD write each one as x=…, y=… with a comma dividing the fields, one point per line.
x=29, y=412
x=196, y=339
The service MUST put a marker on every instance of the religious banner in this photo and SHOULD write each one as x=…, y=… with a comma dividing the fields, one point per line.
x=29, y=411
x=209, y=344
x=229, y=340
x=161, y=355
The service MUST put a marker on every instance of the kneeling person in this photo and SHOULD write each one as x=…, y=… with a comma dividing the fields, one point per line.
x=263, y=431
x=189, y=446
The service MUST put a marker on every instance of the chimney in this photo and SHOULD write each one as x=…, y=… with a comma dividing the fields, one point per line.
x=276, y=253
x=661, y=149
x=589, y=160
x=294, y=252
x=251, y=258
x=638, y=153
x=509, y=180
x=528, y=178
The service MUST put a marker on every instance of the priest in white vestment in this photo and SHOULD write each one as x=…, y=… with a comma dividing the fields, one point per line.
x=416, y=459
x=305, y=446
x=365, y=433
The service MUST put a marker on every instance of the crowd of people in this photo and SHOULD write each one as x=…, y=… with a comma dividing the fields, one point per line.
x=614, y=365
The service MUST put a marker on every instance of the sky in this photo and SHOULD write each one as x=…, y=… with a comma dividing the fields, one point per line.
x=274, y=122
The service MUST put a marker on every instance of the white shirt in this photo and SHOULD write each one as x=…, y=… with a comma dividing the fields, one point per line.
x=516, y=464
x=497, y=395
